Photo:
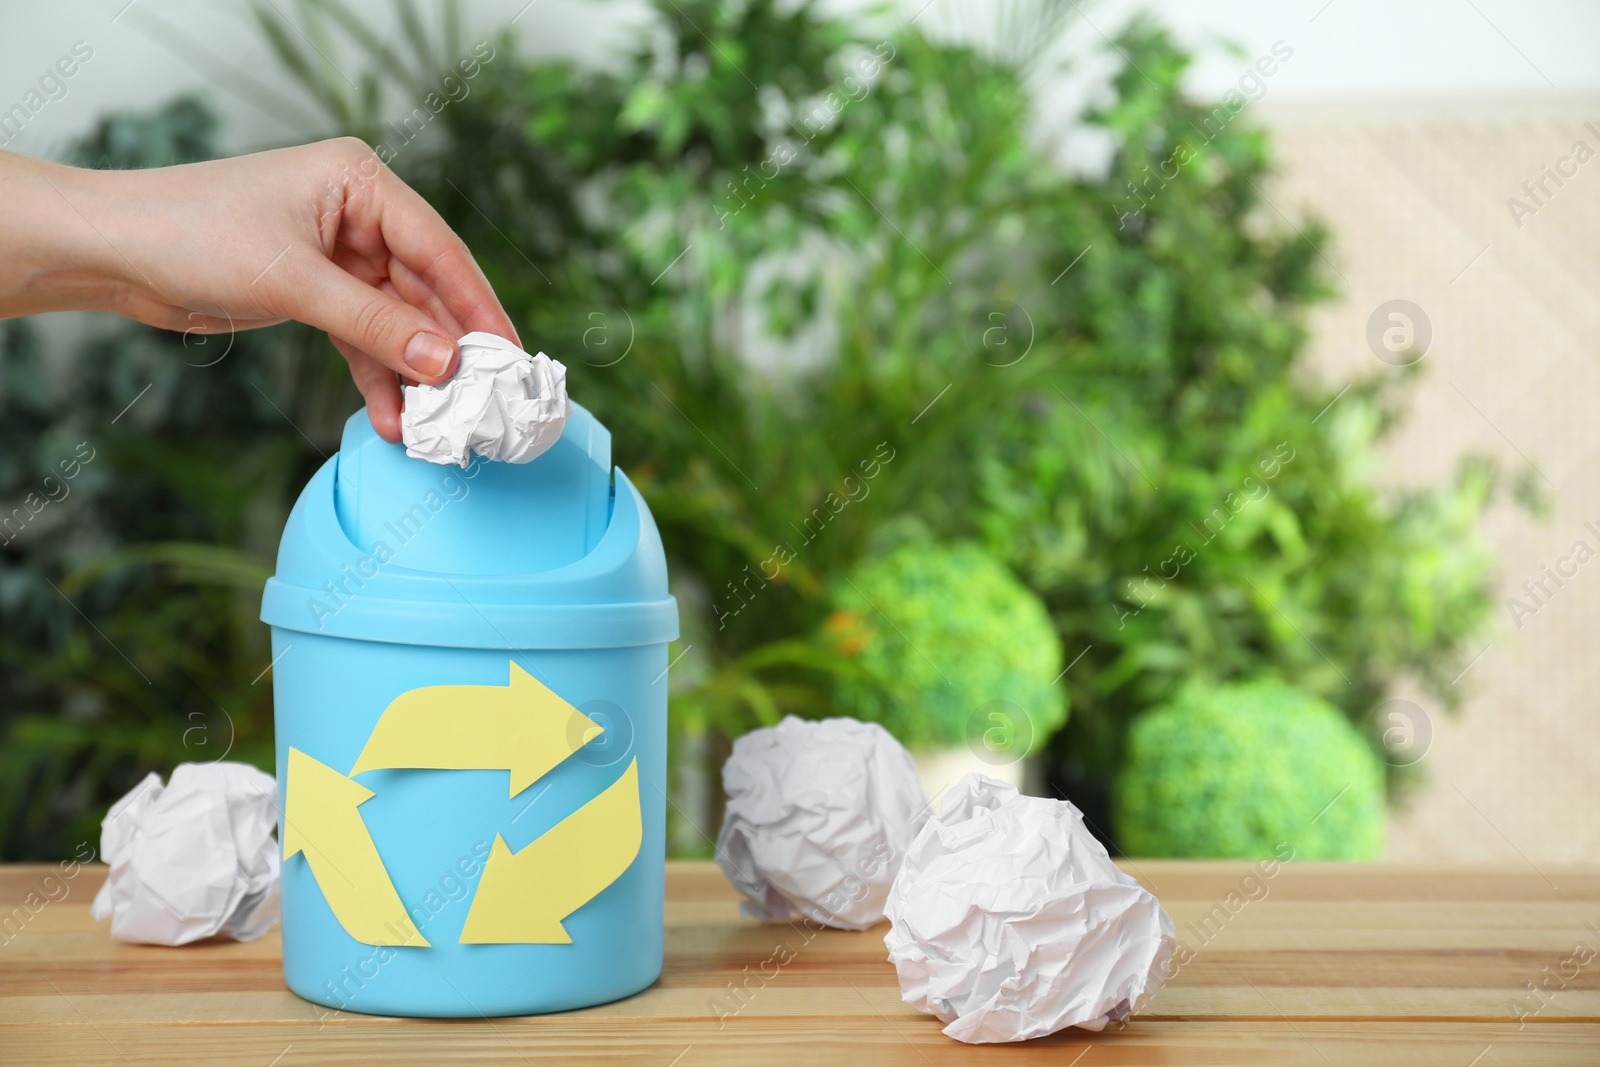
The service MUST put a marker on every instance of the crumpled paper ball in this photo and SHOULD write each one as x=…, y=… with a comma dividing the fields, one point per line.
x=501, y=404
x=193, y=859
x=1010, y=922
x=818, y=819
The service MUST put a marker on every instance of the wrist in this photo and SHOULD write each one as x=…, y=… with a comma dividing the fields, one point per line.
x=55, y=257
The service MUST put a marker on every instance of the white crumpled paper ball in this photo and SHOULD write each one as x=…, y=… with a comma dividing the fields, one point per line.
x=193, y=859
x=1010, y=921
x=501, y=404
x=818, y=819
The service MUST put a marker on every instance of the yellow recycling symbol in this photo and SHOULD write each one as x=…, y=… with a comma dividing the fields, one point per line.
x=522, y=897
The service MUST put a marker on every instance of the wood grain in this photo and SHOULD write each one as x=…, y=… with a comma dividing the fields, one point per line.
x=1330, y=965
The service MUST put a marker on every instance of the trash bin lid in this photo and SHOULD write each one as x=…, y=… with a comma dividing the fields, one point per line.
x=555, y=553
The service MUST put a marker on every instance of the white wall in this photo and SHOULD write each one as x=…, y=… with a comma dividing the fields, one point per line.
x=1367, y=48
x=139, y=61
x=1342, y=49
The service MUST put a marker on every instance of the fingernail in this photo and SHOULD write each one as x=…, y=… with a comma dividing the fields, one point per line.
x=429, y=354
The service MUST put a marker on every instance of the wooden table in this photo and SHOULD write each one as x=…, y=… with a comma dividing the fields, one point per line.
x=1329, y=965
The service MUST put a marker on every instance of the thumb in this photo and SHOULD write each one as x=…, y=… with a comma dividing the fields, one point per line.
x=399, y=336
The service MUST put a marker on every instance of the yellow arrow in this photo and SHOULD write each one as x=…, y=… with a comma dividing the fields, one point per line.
x=523, y=896
x=523, y=728
x=320, y=819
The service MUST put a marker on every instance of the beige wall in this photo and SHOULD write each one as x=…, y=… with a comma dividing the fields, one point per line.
x=1414, y=193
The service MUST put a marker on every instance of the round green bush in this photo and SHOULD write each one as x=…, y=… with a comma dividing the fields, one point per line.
x=953, y=649
x=1240, y=770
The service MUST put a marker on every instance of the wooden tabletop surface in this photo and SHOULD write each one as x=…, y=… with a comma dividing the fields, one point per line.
x=1324, y=965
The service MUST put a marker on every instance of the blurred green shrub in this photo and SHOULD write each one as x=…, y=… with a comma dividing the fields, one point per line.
x=130, y=596
x=1235, y=771
x=773, y=246
x=941, y=632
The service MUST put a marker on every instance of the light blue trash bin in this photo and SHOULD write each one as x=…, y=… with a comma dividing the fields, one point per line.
x=469, y=670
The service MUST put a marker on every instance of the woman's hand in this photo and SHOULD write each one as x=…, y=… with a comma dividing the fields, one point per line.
x=324, y=234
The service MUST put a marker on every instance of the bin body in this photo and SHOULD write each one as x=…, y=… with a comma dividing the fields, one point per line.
x=470, y=688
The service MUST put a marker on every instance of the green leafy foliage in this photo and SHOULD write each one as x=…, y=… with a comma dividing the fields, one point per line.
x=942, y=633
x=1238, y=770
x=774, y=247
x=146, y=477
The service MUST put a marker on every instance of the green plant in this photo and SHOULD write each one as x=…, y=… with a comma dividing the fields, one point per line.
x=1240, y=770
x=131, y=640
x=775, y=246
x=940, y=632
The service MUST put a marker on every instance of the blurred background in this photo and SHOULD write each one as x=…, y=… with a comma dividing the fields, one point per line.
x=1177, y=408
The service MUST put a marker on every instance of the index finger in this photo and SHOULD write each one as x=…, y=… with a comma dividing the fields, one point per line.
x=418, y=237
